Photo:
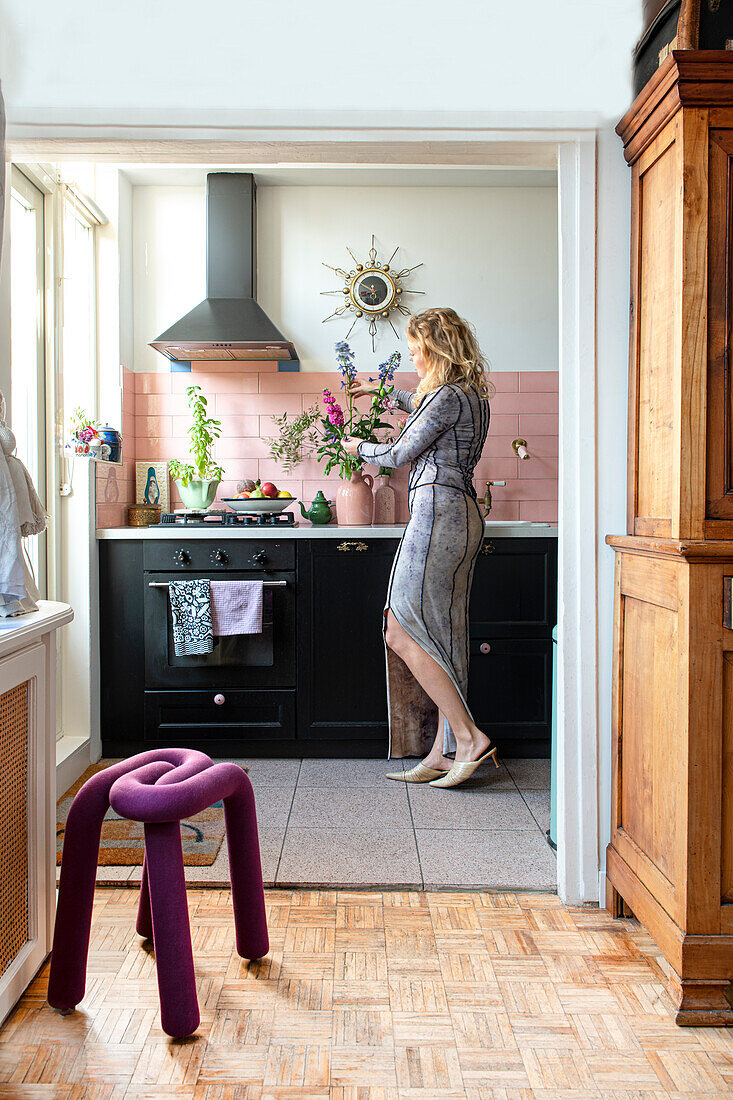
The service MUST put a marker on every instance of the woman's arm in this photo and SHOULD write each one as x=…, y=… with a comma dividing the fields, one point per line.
x=403, y=399
x=438, y=412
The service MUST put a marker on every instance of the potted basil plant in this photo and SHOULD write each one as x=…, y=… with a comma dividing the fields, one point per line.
x=198, y=481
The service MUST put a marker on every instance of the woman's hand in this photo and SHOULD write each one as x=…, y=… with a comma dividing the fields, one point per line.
x=350, y=444
x=359, y=388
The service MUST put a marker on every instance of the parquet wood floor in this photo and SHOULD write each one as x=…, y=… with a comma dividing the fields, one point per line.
x=374, y=996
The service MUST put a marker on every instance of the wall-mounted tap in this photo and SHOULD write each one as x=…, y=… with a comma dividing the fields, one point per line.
x=519, y=446
x=486, y=498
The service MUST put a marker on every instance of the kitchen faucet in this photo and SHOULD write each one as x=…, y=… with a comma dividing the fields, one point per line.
x=486, y=498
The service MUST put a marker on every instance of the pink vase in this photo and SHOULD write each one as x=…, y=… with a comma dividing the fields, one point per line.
x=384, y=500
x=354, y=500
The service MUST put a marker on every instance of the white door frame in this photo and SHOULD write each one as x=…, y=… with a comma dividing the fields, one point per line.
x=329, y=139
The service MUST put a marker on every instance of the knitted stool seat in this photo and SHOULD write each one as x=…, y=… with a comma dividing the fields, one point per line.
x=159, y=788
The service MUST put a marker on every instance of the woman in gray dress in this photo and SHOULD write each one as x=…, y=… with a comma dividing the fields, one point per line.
x=426, y=614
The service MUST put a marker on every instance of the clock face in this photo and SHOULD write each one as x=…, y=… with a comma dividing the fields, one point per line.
x=372, y=291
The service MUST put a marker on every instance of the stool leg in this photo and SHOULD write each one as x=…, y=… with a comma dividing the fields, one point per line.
x=245, y=872
x=67, y=976
x=179, y=1010
x=144, y=923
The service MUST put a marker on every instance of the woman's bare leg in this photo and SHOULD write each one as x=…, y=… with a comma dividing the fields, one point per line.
x=470, y=741
x=435, y=758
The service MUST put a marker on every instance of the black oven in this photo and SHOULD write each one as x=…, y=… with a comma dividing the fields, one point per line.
x=256, y=661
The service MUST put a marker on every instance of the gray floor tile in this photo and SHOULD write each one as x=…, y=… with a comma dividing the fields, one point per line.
x=466, y=808
x=530, y=775
x=349, y=807
x=353, y=857
x=273, y=805
x=539, y=805
x=271, y=773
x=271, y=842
x=347, y=773
x=509, y=860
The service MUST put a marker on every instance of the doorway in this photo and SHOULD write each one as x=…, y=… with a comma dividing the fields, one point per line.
x=572, y=154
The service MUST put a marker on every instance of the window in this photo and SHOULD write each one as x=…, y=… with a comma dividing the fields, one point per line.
x=27, y=347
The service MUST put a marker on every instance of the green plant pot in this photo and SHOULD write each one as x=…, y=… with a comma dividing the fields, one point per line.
x=197, y=495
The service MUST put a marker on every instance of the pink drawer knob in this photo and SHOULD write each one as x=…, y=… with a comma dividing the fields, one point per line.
x=219, y=699
x=485, y=647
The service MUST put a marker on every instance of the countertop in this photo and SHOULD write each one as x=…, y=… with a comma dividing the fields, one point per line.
x=492, y=528
x=20, y=631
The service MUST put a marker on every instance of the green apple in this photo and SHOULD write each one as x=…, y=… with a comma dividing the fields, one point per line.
x=257, y=494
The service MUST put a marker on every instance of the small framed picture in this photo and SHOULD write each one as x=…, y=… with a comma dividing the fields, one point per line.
x=152, y=485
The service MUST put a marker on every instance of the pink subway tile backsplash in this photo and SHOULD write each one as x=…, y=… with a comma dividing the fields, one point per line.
x=246, y=396
x=544, y=381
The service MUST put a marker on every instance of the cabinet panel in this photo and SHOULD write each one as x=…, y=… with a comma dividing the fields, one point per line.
x=658, y=334
x=510, y=693
x=193, y=718
x=341, y=676
x=514, y=589
x=719, y=466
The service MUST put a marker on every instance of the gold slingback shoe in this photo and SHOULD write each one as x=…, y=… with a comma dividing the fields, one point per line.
x=419, y=774
x=462, y=771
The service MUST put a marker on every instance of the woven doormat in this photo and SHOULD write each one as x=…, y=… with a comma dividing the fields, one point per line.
x=123, y=842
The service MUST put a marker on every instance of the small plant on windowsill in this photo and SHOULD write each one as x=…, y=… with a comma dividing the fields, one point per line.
x=198, y=481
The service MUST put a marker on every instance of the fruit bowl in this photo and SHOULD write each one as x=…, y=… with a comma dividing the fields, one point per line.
x=259, y=504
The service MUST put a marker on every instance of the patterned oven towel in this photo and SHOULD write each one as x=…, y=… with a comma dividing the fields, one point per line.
x=191, y=614
x=236, y=607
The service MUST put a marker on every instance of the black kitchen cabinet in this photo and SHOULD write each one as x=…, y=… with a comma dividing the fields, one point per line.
x=342, y=694
x=330, y=698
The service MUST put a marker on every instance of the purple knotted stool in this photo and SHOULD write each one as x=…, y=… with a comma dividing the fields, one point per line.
x=159, y=788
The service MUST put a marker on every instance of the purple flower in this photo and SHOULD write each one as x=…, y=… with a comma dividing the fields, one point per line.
x=86, y=435
x=336, y=416
x=387, y=369
x=345, y=360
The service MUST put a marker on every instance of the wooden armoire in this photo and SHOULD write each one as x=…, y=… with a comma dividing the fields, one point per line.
x=670, y=860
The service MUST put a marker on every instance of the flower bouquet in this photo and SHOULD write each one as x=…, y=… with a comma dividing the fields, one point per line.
x=354, y=501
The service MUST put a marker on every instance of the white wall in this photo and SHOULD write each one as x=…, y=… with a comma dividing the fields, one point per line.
x=92, y=60
x=490, y=252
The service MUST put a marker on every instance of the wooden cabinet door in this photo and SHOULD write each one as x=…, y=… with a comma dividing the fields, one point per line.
x=719, y=449
x=342, y=590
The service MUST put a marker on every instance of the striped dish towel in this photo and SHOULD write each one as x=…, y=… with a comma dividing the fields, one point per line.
x=236, y=607
x=191, y=617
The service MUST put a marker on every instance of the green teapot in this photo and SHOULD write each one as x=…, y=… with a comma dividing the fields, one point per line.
x=319, y=511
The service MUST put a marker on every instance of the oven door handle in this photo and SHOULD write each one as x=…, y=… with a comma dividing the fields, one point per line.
x=166, y=584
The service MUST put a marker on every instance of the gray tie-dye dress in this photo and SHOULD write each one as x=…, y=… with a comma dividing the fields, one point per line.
x=430, y=582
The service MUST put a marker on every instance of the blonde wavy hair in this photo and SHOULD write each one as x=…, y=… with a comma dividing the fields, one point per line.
x=450, y=350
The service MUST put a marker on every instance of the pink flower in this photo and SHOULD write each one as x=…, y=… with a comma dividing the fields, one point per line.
x=86, y=435
x=391, y=405
x=328, y=398
x=336, y=416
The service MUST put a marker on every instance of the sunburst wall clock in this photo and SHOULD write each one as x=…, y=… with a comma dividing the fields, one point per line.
x=371, y=291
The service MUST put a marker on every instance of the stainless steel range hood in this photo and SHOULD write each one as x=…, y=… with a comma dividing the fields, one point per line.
x=228, y=324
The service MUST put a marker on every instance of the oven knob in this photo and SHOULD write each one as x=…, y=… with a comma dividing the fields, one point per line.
x=181, y=557
x=218, y=556
x=219, y=700
x=260, y=557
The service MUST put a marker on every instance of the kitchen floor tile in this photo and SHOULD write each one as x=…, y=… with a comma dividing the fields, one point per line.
x=530, y=775
x=272, y=805
x=539, y=805
x=272, y=773
x=348, y=807
x=347, y=773
x=486, y=858
x=352, y=857
x=465, y=808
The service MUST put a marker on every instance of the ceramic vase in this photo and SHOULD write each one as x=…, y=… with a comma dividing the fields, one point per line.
x=354, y=500
x=385, y=508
